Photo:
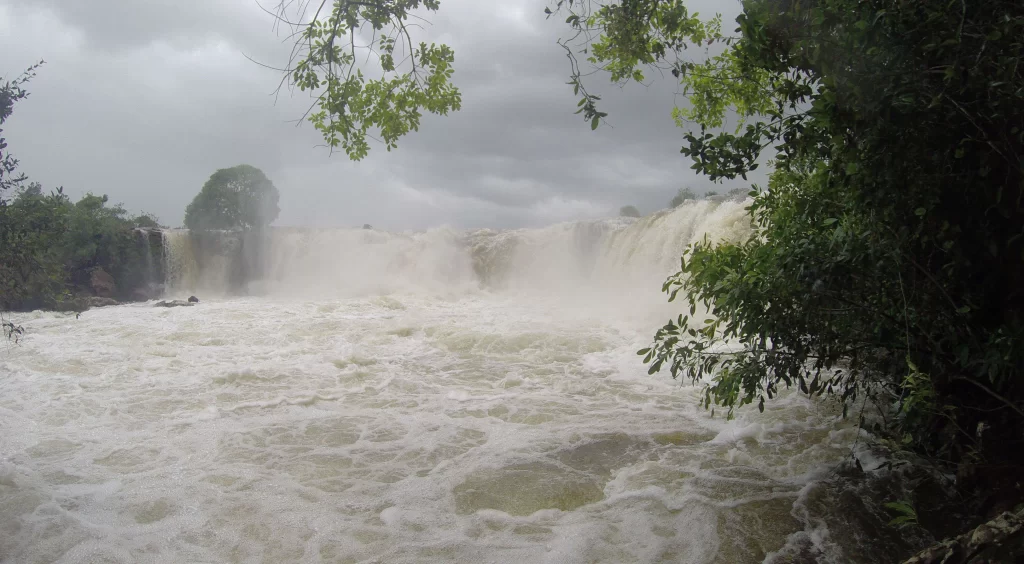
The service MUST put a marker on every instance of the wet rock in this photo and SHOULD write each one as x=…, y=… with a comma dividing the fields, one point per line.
x=102, y=284
x=193, y=300
x=173, y=303
x=96, y=301
x=999, y=540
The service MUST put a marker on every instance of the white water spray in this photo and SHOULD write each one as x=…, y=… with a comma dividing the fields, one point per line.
x=427, y=397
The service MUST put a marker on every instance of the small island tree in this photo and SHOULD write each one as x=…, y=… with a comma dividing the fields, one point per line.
x=241, y=197
x=629, y=211
x=683, y=195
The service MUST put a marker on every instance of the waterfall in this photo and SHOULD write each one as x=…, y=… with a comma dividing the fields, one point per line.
x=149, y=272
x=613, y=255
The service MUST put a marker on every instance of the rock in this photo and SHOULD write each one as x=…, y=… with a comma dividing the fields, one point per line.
x=96, y=301
x=173, y=303
x=102, y=284
x=999, y=540
x=193, y=300
x=367, y=226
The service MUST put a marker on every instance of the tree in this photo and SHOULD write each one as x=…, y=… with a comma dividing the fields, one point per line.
x=234, y=198
x=17, y=248
x=11, y=92
x=32, y=272
x=888, y=255
x=629, y=211
x=146, y=221
x=350, y=106
x=683, y=195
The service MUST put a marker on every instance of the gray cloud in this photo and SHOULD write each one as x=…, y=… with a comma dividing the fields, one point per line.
x=144, y=100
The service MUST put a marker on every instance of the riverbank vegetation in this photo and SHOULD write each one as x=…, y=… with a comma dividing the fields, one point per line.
x=888, y=256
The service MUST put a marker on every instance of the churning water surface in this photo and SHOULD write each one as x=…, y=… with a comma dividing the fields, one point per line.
x=453, y=423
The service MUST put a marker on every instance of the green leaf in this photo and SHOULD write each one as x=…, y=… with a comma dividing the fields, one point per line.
x=594, y=123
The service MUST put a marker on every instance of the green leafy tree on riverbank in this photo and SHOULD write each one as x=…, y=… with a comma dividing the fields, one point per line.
x=888, y=257
x=241, y=197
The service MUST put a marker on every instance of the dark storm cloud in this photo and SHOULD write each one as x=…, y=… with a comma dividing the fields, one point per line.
x=144, y=100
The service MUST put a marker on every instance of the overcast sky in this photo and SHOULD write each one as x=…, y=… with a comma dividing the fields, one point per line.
x=143, y=99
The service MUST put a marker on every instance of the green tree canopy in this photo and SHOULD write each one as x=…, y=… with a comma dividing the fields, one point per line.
x=241, y=197
x=146, y=221
x=385, y=100
x=629, y=211
x=888, y=255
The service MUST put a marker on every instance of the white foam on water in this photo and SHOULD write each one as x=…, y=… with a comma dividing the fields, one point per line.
x=410, y=413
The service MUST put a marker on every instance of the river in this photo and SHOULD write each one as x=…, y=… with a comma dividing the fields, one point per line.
x=432, y=397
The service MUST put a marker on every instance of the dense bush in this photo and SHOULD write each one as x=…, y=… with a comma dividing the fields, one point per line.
x=61, y=243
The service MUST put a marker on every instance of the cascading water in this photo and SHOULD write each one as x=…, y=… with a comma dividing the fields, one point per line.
x=149, y=276
x=362, y=396
x=612, y=254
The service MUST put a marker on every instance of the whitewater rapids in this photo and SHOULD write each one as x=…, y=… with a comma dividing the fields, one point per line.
x=451, y=421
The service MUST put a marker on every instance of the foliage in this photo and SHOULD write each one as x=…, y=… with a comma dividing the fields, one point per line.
x=888, y=256
x=31, y=268
x=11, y=92
x=683, y=195
x=629, y=35
x=388, y=103
x=241, y=197
x=59, y=245
x=146, y=221
x=629, y=211
x=905, y=513
x=710, y=194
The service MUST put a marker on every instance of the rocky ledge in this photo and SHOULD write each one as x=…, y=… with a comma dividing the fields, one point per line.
x=999, y=540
